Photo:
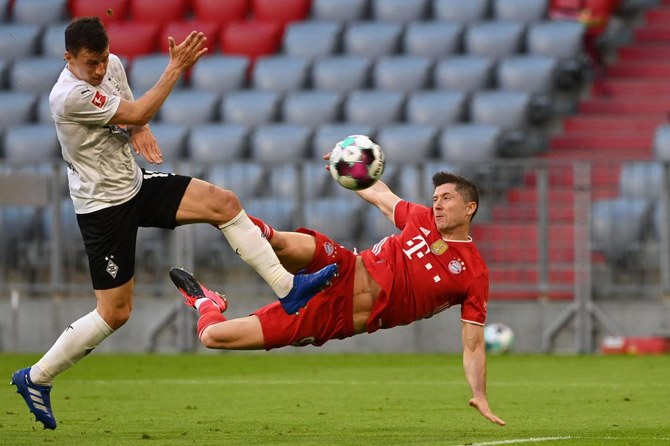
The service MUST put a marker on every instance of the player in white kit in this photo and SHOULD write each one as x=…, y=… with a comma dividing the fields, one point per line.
x=99, y=125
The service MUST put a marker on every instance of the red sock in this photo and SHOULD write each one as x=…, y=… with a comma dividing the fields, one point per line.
x=210, y=314
x=267, y=230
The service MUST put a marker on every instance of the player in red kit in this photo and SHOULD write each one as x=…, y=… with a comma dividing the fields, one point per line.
x=430, y=266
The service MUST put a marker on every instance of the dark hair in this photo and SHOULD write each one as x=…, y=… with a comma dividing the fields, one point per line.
x=465, y=187
x=86, y=33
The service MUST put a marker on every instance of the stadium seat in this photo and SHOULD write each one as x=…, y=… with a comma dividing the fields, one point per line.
x=251, y=38
x=4, y=9
x=407, y=142
x=312, y=38
x=44, y=110
x=342, y=73
x=316, y=179
x=280, y=73
x=339, y=217
x=522, y=11
x=171, y=140
x=4, y=77
x=459, y=11
x=642, y=179
x=399, y=11
x=469, y=143
x=39, y=12
x=53, y=40
x=560, y=40
x=179, y=30
x=145, y=71
x=401, y=73
x=283, y=12
x=217, y=143
x=32, y=142
x=374, y=107
x=493, y=39
x=220, y=12
x=311, y=107
x=376, y=225
x=661, y=143
x=158, y=11
x=329, y=134
x=503, y=108
x=617, y=225
x=436, y=107
x=280, y=142
x=19, y=40
x=433, y=39
x=87, y=8
x=529, y=73
x=372, y=39
x=250, y=107
x=220, y=73
x=343, y=11
x=243, y=177
x=279, y=213
x=190, y=107
x=132, y=39
x=464, y=73
x=415, y=182
x=16, y=108
x=35, y=74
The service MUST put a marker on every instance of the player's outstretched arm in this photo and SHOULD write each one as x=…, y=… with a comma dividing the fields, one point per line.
x=474, y=365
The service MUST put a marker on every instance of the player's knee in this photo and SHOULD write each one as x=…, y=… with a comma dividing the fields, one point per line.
x=118, y=318
x=225, y=205
x=208, y=340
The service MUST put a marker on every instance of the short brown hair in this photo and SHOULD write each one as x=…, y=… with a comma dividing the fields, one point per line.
x=86, y=33
x=465, y=187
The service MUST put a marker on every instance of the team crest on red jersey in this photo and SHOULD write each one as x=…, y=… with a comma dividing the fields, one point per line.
x=329, y=248
x=99, y=100
x=456, y=266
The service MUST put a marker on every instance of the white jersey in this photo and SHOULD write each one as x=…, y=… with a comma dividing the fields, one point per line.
x=101, y=169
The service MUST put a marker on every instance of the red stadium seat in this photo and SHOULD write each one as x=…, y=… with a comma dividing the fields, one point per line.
x=179, y=31
x=220, y=11
x=109, y=11
x=251, y=38
x=158, y=11
x=282, y=12
x=132, y=39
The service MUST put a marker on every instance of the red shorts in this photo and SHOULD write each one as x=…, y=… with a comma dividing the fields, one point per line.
x=328, y=315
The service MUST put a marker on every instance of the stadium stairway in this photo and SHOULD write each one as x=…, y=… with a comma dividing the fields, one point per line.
x=609, y=129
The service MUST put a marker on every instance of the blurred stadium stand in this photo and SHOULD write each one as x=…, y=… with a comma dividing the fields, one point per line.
x=495, y=89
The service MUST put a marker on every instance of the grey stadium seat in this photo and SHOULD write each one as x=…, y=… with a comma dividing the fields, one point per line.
x=280, y=142
x=278, y=213
x=312, y=107
x=493, y=39
x=4, y=68
x=401, y=73
x=218, y=142
x=662, y=143
x=171, y=140
x=434, y=39
x=220, y=73
x=559, y=39
x=374, y=107
x=399, y=11
x=35, y=74
x=340, y=10
x=145, y=71
x=327, y=135
x=415, y=182
x=312, y=38
x=460, y=11
x=19, y=40
x=506, y=109
x=245, y=178
x=280, y=73
x=522, y=11
x=339, y=217
x=250, y=107
x=641, y=179
x=16, y=107
x=469, y=143
x=53, y=42
x=341, y=73
x=4, y=10
x=32, y=142
x=372, y=39
x=376, y=225
x=436, y=107
x=464, y=73
x=43, y=110
x=617, y=225
x=39, y=12
x=190, y=107
x=407, y=142
x=530, y=73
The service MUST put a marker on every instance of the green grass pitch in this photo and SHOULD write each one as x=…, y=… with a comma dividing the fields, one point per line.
x=258, y=399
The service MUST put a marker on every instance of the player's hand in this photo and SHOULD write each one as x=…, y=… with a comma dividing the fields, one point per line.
x=144, y=143
x=482, y=405
x=326, y=157
x=189, y=51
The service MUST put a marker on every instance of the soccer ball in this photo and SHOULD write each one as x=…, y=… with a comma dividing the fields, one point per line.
x=499, y=338
x=356, y=162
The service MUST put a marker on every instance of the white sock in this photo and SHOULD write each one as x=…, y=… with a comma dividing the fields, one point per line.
x=77, y=341
x=246, y=239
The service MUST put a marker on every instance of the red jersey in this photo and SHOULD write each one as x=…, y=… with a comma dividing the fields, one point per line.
x=422, y=274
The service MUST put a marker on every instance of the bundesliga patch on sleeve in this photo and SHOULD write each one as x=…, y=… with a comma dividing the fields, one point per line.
x=99, y=100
